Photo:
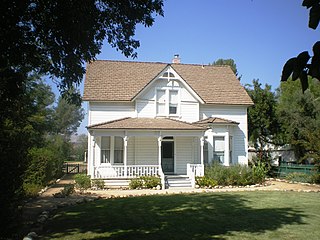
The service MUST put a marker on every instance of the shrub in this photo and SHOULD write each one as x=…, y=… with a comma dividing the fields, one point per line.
x=98, y=183
x=66, y=191
x=144, y=182
x=31, y=189
x=150, y=181
x=236, y=175
x=41, y=169
x=299, y=177
x=259, y=172
x=206, y=182
x=83, y=181
x=315, y=178
x=136, y=183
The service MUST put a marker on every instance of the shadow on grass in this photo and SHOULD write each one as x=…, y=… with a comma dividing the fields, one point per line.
x=196, y=216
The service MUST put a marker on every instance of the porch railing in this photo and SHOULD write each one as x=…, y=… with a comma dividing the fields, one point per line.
x=129, y=171
x=194, y=170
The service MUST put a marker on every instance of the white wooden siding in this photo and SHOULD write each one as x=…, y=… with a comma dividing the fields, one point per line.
x=189, y=106
x=189, y=112
x=106, y=111
x=185, y=153
x=234, y=113
x=145, y=108
x=146, y=151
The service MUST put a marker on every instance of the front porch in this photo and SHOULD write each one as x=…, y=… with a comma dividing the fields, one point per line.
x=120, y=174
x=176, y=149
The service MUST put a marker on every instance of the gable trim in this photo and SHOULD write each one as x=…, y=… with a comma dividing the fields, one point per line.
x=184, y=83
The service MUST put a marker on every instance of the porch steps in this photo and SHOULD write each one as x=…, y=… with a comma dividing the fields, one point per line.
x=117, y=183
x=177, y=181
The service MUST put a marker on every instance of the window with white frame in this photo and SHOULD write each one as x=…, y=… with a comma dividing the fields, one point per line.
x=167, y=101
x=111, y=150
x=118, y=150
x=161, y=101
x=218, y=149
x=105, y=150
x=173, y=101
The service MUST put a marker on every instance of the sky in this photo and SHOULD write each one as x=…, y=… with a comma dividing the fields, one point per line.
x=260, y=35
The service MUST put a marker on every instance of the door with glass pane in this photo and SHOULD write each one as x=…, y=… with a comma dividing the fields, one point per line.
x=167, y=153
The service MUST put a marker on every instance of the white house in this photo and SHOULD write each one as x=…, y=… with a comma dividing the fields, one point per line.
x=150, y=118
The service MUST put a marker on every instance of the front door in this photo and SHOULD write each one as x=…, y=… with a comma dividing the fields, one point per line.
x=167, y=153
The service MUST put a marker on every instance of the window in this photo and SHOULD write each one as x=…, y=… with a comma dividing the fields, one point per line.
x=168, y=75
x=105, y=150
x=111, y=150
x=118, y=150
x=173, y=101
x=218, y=149
x=167, y=102
x=161, y=102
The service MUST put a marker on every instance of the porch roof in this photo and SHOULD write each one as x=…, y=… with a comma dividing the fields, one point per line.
x=147, y=124
x=215, y=120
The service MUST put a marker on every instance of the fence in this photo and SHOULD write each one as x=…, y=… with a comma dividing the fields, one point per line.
x=74, y=167
x=285, y=168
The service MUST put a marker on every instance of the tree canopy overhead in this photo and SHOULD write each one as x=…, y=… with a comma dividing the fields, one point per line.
x=300, y=66
x=54, y=38
x=58, y=37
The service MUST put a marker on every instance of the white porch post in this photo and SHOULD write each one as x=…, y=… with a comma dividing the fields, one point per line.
x=159, y=151
x=201, y=149
x=226, y=149
x=125, y=154
x=201, y=155
x=159, y=159
x=93, y=170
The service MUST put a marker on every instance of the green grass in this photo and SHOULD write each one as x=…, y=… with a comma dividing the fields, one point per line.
x=242, y=215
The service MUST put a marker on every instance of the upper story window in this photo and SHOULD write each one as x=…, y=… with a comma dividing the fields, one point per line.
x=167, y=102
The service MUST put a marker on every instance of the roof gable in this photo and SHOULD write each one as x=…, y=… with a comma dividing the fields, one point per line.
x=170, y=75
x=124, y=80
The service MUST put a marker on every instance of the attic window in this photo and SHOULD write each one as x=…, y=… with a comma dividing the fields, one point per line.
x=168, y=75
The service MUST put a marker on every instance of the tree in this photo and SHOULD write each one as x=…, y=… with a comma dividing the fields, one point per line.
x=263, y=123
x=298, y=67
x=58, y=37
x=67, y=118
x=24, y=120
x=299, y=115
x=80, y=147
x=230, y=62
x=52, y=38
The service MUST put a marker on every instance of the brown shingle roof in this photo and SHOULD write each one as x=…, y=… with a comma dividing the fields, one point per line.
x=147, y=124
x=215, y=120
x=123, y=80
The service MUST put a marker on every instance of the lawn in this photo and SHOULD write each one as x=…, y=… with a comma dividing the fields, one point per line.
x=241, y=215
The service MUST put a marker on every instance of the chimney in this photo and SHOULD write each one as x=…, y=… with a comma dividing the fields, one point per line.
x=176, y=59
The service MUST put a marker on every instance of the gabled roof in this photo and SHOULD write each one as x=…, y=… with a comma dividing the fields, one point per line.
x=146, y=124
x=123, y=80
x=216, y=121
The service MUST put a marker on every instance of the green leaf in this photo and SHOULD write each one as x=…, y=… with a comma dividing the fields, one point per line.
x=314, y=16
x=304, y=80
x=288, y=69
